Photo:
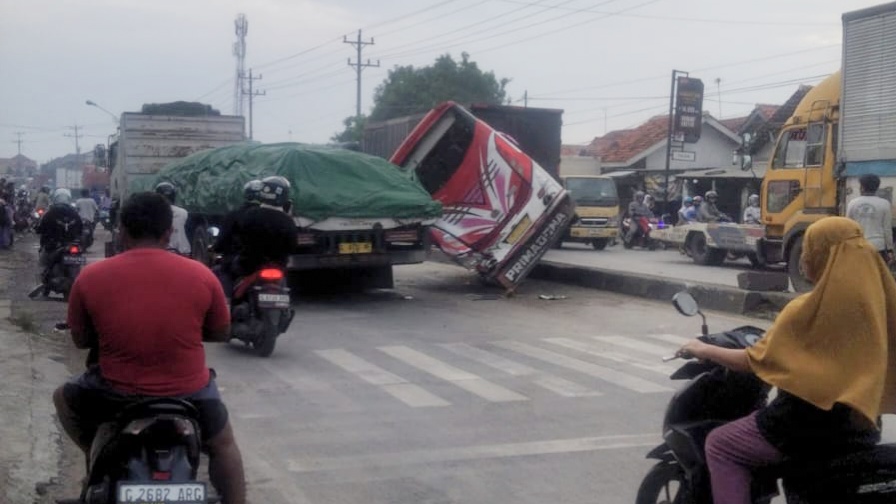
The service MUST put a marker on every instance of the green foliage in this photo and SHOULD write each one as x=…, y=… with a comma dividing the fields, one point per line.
x=408, y=90
x=354, y=126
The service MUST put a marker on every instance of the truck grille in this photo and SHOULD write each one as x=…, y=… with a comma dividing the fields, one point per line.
x=594, y=221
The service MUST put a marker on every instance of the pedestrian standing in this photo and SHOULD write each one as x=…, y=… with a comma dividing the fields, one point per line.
x=874, y=214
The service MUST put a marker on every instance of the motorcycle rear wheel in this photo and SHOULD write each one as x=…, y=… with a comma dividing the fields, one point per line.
x=665, y=483
x=266, y=342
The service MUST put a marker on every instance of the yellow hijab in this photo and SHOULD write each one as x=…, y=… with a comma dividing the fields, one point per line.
x=837, y=343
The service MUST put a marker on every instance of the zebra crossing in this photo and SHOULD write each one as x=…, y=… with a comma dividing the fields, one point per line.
x=501, y=371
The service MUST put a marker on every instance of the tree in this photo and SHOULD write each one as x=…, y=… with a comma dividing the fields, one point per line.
x=408, y=90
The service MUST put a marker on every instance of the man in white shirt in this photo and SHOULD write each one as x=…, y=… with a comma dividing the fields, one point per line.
x=87, y=210
x=874, y=214
x=179, y=241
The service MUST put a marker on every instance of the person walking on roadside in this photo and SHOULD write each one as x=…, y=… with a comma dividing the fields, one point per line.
x=874, y=214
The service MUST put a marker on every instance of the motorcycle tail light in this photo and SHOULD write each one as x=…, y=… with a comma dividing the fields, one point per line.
x=271, y=274
x=161, y=475
x=74, y=249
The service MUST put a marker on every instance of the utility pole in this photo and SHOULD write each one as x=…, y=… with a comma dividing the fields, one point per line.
x=77, y=136
x=359, y=45
x=719, y=92
x=252, y=94
x=526, y=98
x=19, y=141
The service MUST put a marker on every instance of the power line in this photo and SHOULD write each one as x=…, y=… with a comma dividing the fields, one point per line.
x=687, y=19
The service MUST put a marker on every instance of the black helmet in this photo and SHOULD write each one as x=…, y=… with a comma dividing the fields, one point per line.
x=167, y=190
x=275, y=191
x=639, y=196
x=252, y=191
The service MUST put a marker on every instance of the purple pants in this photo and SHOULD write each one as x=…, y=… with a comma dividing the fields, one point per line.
x=733, y=451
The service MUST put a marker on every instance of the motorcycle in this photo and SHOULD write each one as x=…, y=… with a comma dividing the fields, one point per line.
x=642, y=237
x=87, y=233
x=713, y=396
x=105, y=219
x=260, y=309
x=149, y=453
x=65, y=263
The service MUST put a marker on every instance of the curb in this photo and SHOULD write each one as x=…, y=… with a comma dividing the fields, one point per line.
x=762, y=304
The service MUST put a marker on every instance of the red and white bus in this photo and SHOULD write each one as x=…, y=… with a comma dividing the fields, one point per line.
x=501, y=210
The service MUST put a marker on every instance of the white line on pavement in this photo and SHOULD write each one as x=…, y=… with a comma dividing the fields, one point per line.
x=465, y=453
x=548, y=381
x=602, y=351
x=613, y=376
x=392, y=384
x=467, y=381
x=641, y=346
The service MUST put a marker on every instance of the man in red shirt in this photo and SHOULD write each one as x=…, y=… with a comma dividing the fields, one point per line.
x=145, y=314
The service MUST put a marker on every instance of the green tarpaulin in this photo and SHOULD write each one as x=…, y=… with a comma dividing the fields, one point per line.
x=326, y=182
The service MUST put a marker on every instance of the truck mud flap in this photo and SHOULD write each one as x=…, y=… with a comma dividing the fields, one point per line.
x=539, y=240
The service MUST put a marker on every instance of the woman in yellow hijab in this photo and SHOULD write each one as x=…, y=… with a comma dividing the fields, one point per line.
x=832, y=355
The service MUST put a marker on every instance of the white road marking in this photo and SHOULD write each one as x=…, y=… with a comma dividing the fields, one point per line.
x=634, y=344
x=613, y=376
x=601, y=351
x=670, y=338
x=548, y=381
x=465, y=453
x=394, y=385
x=467, y=381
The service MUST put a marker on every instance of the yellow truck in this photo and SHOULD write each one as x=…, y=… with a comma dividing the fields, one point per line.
x=596, y=221
x=843, y=128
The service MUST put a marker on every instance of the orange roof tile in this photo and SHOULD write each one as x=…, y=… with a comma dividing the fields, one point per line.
x=621, y=145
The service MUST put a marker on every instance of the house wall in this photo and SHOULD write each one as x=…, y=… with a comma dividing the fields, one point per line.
x=714, y=150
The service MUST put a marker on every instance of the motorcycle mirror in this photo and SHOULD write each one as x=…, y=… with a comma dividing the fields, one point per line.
x=685, y=303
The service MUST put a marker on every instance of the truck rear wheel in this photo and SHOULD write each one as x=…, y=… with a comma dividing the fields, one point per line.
x=703, y=254
x=799, y=281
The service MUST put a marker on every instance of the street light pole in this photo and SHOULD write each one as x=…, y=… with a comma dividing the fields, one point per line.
x=94, y=104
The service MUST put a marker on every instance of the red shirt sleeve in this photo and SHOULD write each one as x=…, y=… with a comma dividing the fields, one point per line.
x=218, y=316
x=77, y=313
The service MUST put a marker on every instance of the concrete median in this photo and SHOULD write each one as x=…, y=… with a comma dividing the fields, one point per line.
x=710, y=296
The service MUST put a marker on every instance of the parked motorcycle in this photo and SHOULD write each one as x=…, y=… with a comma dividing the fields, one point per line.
x=260, y=309
x=65, y=264
x=642, y=237
x=150, y=453
x=713, y=396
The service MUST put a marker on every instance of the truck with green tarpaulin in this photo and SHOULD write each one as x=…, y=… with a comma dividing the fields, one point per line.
x=356, y=213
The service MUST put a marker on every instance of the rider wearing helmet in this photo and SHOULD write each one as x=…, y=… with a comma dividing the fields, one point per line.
x=58, y=226
x=638, y=212
x=179, y=241
x=752, y=213
x=709, y=212
x=228, y=244
x=688, y=212
x=264, y=232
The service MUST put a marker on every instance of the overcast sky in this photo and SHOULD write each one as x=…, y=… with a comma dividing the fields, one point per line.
x=607, y=63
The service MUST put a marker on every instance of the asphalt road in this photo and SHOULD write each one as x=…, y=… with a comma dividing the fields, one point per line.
x=442, y=391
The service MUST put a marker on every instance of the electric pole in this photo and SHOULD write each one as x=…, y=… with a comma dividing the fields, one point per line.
x=359, y=45
x=77, y=136
x=19, y=141
x=252, y=94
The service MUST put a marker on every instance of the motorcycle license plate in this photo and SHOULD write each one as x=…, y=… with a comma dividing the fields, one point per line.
x=74, y=260
x=161, y=493
x=277, y=300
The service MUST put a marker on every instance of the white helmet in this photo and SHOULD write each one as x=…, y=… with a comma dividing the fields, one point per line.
x=62, y=196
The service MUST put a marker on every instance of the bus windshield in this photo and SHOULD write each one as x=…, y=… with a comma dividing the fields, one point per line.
x=442, y=152
x=592, y=191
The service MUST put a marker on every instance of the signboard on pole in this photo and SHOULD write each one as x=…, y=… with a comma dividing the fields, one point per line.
x=684, y=156
x=688, y=109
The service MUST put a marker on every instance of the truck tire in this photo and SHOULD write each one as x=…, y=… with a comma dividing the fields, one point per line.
x=703, y=254
x=799, y=282
x=600, y=243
